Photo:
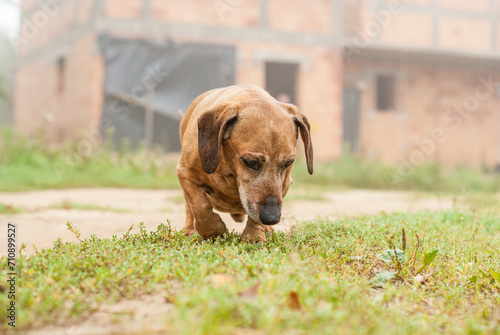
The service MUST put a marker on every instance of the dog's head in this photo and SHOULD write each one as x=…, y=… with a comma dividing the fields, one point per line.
x=257, y=140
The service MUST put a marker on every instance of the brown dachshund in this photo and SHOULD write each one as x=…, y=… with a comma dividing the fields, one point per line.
x=238, y=151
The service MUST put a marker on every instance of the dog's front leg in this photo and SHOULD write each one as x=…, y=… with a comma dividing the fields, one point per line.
x=189, y=230
x=255, y=232
x=208, y=224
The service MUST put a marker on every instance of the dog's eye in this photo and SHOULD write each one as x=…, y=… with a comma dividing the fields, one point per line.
x=251, y=163
x=287, y=165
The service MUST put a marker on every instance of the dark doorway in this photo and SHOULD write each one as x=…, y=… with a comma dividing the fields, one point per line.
x=351, y=119
x=281, y=81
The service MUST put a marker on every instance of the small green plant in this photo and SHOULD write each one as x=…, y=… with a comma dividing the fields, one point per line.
x=74, y=230
x=9, y=209
x=406, y=263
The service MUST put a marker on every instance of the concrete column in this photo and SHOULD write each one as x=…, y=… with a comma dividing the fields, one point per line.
x=435, y=24
x=146, y=10
x=263, y=19
x=495, y=7
x=337, y=23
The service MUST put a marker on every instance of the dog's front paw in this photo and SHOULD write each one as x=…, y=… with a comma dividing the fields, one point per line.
x=269, y=229
x=254, y=233
x=254, y=238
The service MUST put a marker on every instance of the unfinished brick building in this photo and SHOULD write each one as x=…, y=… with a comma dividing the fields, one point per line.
x=403, y=81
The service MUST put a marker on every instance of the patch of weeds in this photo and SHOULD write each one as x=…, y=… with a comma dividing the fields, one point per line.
x=9, y=209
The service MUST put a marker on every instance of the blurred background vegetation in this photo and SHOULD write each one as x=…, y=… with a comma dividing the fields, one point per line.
x=27, y=164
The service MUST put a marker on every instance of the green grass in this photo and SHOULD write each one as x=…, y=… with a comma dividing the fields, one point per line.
x=354, y=172
x=482, y=201
x=27, y=164
x=328, y=277
x=35, y=164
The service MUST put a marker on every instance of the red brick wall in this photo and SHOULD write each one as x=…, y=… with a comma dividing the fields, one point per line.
x=426, y=104
x=462, y=25
x=40, y=105
x=129, y=9
x=465, y=34
x=244, y=13
x=42, y=24
x=296, y=15
x=498, y=36
x=398, y=32
x=481, y=6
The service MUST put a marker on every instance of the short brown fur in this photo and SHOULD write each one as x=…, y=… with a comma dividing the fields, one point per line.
x=223, y=132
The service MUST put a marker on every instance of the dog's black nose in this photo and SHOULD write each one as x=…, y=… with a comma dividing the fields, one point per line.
x=270, y=212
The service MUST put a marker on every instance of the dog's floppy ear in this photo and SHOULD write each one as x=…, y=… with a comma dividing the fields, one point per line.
x=305, y=133
x=214, y=126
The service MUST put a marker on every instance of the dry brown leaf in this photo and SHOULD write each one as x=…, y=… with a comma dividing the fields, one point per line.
x=251, y=292
x=294, y=302
x=422, y=279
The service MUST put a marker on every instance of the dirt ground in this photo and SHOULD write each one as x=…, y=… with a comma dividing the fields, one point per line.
x=106, y=211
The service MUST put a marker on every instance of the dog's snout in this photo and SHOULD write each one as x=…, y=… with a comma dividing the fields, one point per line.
x=270, y=211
